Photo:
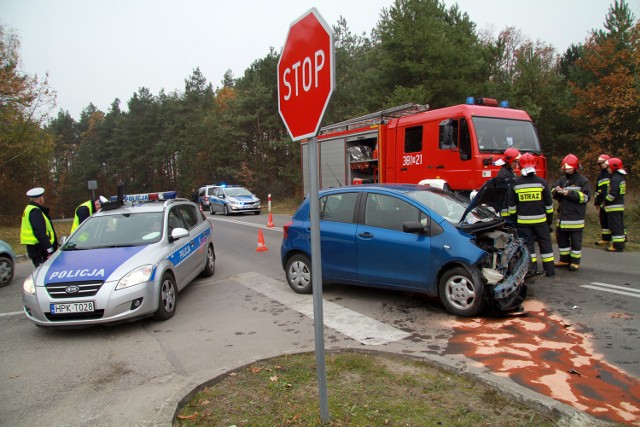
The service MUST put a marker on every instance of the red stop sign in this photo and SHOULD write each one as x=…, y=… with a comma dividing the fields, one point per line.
x=306, y=75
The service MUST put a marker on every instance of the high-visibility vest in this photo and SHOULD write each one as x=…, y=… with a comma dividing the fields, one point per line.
x=76, y=220
x=26, y=231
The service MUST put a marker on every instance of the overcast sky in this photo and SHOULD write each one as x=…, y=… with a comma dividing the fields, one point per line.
x=96, y=51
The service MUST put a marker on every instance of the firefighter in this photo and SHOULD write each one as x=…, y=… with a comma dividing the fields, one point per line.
x=85, y=210
x=572, y=192
x=602, y=188
x=614, y=204
x=36, y=231
x=531, y=206
x=508, y=160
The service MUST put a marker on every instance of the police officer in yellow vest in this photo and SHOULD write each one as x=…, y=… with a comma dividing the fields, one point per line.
x=37, y=231
x=85, y=210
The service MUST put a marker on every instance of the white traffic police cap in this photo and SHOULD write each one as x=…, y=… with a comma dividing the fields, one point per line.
x=34, y=193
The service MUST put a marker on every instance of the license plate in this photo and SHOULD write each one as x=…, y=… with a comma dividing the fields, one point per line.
x=73, y=307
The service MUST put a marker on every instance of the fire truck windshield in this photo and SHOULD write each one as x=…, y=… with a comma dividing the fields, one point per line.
x=496, y=135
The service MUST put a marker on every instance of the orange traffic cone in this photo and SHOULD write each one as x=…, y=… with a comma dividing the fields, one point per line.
x=261, y=245
x=270, y=221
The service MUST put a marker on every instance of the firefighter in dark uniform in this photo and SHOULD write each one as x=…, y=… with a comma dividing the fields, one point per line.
x=572, y=192
x=614, y=204
x=531, y=206
x=37, y=231
x=602, y=188
x=508, y=161
x=85, y=210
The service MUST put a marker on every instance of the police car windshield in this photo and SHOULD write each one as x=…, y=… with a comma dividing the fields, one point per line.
x=237, y=191
x=117, y=230
x=496, y=135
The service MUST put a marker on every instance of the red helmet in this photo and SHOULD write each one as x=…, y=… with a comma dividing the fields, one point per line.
x=614, y=163
x=527, y=160
x=510, y=155
x=602, y=158
x=570, y=162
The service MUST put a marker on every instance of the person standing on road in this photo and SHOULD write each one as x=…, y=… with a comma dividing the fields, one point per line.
x=531, y=206
x=572, y=192
x=37, y=231
x=508, y=161
x=614, y=204
x=85, y=210
x=602, y=188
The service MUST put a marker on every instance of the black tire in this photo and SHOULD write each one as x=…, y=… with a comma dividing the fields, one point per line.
x=298, y=272
x=6, y=270
x=211, y=211
x=460, y=293
x=168, y=298
x=210, y=264
x=225, y=210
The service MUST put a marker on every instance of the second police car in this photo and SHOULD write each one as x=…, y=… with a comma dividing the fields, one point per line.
x=124, y=262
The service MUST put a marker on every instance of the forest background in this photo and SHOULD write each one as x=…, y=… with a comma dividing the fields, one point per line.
x=585, y=101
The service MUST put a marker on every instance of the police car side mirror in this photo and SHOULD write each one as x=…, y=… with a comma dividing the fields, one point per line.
x=178, y=233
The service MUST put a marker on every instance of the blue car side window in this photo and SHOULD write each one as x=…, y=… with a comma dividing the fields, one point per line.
x=338, y=207
x=390, y=212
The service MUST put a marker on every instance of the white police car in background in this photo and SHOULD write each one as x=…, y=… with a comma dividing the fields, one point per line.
x=123, y=263
x=229, y=199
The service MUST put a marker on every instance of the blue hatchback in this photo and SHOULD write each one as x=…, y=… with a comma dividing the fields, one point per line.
x=412, y=238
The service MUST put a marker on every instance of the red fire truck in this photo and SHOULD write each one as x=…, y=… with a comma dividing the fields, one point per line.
x=452, y=148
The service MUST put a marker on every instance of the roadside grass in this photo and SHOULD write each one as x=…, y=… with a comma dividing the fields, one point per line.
x=364, y=389
x=11, y=234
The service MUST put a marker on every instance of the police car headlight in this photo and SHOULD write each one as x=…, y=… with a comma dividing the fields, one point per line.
x=29, y=286
x=135, y=277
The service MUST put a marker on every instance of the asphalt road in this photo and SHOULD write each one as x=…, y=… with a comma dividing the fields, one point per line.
x=135, y=374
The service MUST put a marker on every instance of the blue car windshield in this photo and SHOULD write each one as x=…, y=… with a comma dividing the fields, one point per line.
x=117, y=231
x=451, y=206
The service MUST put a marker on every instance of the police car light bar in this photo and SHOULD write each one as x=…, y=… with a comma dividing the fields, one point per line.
x=146, y=197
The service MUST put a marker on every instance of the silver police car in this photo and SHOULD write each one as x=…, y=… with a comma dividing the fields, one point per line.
x=123, y=263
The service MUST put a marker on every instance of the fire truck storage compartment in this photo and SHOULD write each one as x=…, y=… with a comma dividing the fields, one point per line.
x=363, y=159
x=333, y=168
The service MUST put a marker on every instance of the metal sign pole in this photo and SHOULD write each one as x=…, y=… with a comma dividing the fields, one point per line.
x=316, y=278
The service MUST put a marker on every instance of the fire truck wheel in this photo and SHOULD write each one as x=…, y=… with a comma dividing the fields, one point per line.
x=460, y=293
x=298, y=271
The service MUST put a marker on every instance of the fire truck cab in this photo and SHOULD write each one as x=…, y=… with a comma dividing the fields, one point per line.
x=453, y=148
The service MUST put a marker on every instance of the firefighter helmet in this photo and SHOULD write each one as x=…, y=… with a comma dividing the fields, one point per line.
x=570, y=163
x=602, y=158
x=527, y=163
x=615, y=164
x=510, y=155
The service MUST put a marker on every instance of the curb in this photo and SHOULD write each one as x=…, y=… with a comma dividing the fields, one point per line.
x=568, y=415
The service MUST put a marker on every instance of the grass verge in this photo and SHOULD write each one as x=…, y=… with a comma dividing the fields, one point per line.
x=364, y=390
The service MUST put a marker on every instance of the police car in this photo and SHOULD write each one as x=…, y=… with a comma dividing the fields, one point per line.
x=125, y=262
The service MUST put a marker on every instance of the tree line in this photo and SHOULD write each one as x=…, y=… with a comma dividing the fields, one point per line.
x=585, y=101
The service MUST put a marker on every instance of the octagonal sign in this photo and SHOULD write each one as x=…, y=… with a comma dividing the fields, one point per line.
x=306, y=75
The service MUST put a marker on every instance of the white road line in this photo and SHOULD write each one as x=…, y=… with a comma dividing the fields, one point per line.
x=361, y=328
x=13, y=313
x=235, y=221
x=613, y=289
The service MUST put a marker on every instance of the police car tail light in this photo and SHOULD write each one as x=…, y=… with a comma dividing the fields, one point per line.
x=141, y=274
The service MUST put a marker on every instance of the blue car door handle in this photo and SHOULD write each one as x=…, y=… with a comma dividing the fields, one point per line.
x=366, y=235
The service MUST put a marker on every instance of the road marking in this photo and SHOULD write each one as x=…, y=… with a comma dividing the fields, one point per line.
x=13, y=313
x=235, y=221
x=613, y=289
x=361, y=328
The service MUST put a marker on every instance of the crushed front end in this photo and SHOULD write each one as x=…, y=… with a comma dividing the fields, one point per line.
x=505, y=268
